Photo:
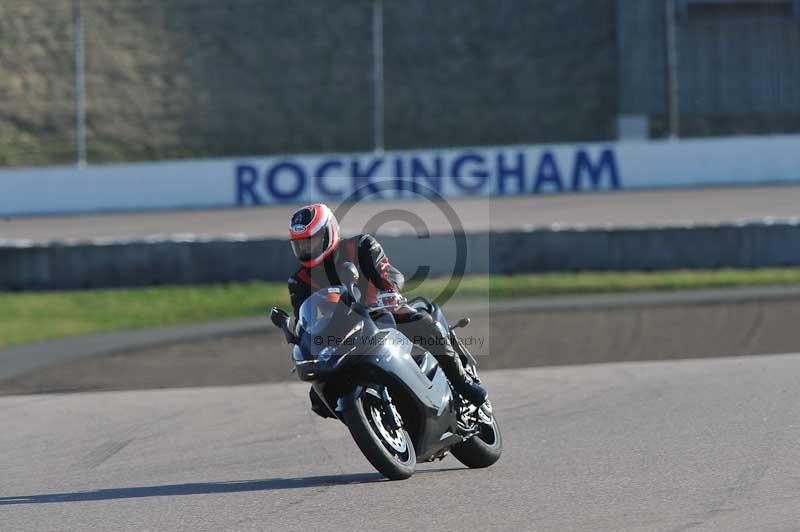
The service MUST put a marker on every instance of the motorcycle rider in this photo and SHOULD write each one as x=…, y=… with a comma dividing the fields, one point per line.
x=317, y=243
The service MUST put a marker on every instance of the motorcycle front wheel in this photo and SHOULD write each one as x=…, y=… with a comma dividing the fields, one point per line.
x=388, y=449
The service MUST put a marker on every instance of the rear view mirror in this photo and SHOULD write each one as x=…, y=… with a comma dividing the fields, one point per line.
x=351, y=275
x=279, y=317
x=463, y=322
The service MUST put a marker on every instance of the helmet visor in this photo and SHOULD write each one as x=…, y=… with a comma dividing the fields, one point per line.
x=309, y=248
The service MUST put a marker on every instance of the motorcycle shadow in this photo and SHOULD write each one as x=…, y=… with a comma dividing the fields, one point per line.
x=203, y=488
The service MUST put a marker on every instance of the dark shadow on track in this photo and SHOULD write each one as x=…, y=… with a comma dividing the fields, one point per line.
x=203, y=488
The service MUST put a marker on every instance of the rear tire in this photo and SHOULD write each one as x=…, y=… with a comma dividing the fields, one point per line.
x=483, y=449
x=391, y=462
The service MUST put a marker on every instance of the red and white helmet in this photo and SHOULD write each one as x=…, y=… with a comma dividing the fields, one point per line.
x=315, y=234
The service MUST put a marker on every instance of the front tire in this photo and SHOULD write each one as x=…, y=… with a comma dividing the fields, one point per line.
x=483, y=449
x=390, y=451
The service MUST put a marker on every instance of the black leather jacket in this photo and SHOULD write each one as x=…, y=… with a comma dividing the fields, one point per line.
x=366, y=253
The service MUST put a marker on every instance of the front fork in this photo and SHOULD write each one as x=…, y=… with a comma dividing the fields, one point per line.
x=349, y=399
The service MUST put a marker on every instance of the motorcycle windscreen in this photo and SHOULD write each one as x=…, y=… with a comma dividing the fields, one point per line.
x=326, y=323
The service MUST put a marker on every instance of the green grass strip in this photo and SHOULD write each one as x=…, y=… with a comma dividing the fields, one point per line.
x=31, y=317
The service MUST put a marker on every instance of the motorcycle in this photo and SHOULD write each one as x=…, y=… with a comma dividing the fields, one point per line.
x=391, y=394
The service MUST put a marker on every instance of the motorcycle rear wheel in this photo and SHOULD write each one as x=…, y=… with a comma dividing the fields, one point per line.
x=483, y=449
x=390, y=451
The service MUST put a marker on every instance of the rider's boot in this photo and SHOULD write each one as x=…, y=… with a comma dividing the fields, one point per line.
x=454, y=369
x=423, y=329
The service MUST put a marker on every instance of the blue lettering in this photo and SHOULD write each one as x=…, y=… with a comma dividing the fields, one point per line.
x=290, y=168
x=432, y=176
x=322, y=171
x=583, y=164
x=246, y=178
x=516, y=172
x=548, y=173
x=480, y=173
x=400, y=181
x=362, y=186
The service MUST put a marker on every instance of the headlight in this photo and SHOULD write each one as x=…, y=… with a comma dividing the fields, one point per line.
x=357, y=327
x=326, y=354
x=343, y=346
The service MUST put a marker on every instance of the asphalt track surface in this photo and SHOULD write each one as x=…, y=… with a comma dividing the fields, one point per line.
x=616, y=209
x=694, y=445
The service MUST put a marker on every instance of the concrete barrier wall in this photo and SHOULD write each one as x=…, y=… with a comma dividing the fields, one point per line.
x=147, y=263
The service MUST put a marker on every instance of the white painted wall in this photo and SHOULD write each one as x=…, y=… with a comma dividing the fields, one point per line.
x=505, y=170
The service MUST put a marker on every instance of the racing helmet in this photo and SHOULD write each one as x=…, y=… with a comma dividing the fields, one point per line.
x=314, y=234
